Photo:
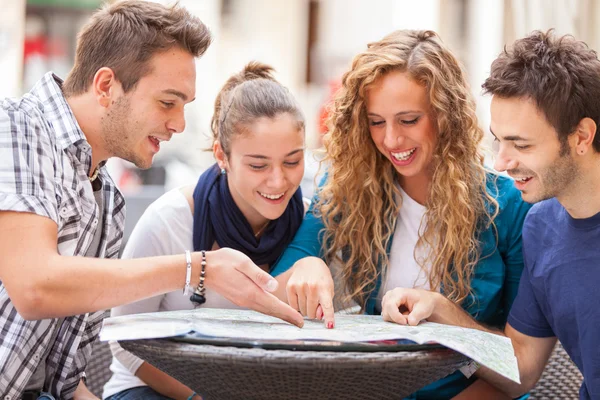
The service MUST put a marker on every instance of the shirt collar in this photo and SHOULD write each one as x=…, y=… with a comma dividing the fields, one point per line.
x=57, y=111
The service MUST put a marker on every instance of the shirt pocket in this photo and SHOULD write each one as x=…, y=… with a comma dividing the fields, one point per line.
x=70, y=214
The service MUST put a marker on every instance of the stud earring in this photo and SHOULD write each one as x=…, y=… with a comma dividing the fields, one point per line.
x=223, y=172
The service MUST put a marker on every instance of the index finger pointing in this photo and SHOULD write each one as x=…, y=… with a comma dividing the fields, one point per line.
x=327, y=306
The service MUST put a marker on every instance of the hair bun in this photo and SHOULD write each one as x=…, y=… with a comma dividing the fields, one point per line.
x=257, y=70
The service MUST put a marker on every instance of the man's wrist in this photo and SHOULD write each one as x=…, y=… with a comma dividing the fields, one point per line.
x=197, y=266
x=438, y=307
x=198, y=296
x=447, y=312
x=212, y=261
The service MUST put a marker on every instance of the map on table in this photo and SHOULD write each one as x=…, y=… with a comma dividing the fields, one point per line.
x=493, y=351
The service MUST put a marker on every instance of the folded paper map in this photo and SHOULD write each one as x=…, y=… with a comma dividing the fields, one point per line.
x=493, y=351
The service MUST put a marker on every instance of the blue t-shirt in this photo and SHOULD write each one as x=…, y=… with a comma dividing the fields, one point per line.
x=558, y=295
x=495, y=279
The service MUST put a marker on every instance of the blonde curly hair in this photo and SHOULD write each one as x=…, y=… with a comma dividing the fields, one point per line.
x=357, y=200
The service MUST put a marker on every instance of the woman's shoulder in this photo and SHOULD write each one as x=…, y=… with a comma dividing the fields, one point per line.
x=172, y=204
x=164, y=223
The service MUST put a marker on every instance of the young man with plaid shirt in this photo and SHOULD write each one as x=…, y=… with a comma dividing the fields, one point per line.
x=61, y=216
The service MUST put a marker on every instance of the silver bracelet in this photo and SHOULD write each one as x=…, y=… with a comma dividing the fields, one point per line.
x=188, y=272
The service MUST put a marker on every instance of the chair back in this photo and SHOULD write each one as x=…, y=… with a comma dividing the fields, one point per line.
x=98, y=369
x=561, y=378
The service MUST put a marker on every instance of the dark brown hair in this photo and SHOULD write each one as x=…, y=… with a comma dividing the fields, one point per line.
x=246, y=96
x=125, y=35
x=560, y=74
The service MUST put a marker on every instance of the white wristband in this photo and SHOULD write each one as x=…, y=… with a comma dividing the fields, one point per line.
x=188, y=272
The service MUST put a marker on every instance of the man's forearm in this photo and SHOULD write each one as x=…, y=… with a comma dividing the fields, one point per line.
x=511, y=388
x=64, y=286
x=44, y=284
x=480, y=389
x=449, y=313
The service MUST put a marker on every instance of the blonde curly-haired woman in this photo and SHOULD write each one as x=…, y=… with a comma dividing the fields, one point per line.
x=407, y=200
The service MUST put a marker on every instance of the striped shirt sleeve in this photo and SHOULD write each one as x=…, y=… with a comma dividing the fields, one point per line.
x=27, y=182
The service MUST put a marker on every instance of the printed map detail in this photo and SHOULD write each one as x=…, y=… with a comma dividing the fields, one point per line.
x=493, y=351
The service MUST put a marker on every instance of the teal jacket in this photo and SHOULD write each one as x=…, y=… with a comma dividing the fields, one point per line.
x=495, y=279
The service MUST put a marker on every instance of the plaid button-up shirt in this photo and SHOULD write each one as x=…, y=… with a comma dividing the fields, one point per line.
x=44, y=164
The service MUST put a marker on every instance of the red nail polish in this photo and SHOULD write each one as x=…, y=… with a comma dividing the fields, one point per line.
x=330, y=325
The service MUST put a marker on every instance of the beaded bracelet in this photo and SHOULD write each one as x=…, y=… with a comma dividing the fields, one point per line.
x=198, y=295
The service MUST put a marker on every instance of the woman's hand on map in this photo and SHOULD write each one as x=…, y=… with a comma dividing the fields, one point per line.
x=310, y=290
x=234, y=276
x=408, y=306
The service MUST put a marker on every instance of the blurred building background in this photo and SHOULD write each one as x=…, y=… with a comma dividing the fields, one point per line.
x=309, y=42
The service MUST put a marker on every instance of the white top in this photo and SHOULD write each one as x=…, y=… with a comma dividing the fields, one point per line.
x=165, y=228
x=403, y=270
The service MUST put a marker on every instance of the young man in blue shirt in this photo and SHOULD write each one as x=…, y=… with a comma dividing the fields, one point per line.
x=545, y=113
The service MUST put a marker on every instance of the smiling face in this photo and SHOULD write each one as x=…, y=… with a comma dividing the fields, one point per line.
x=402, y=126
x=264, y=167
x=138, y=121
x=530, y=151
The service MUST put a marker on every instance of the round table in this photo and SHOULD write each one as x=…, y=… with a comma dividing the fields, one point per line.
x=229, y=373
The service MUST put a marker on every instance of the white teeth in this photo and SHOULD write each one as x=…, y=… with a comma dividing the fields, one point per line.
x=523, y=179
x=404, y=155
x=272, y=196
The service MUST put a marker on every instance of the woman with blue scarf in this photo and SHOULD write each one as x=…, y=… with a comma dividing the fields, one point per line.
x=250, y=201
